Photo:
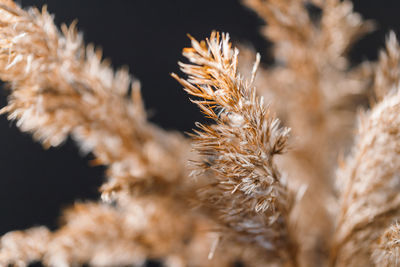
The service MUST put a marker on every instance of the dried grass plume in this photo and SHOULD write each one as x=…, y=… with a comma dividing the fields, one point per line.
x=276, y=177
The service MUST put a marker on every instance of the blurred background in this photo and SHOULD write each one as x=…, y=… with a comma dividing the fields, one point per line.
x=148, y=36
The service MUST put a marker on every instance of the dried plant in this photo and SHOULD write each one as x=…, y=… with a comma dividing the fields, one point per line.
x=369, y=199
x=316, y=93
x=61, y=88
x=247, y=193
x=260, y=196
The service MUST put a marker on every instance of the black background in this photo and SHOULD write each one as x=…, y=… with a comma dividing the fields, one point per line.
x=148, y=36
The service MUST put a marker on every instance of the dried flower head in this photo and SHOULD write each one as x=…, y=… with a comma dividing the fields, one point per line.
x=247, y=193
x=59, y=88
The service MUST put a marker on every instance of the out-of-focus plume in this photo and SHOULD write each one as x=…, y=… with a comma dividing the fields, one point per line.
x=387, y=74
x=59, y=88
x=369, y=181
x=315, y=91
x=370, y=201
x=152, y=227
